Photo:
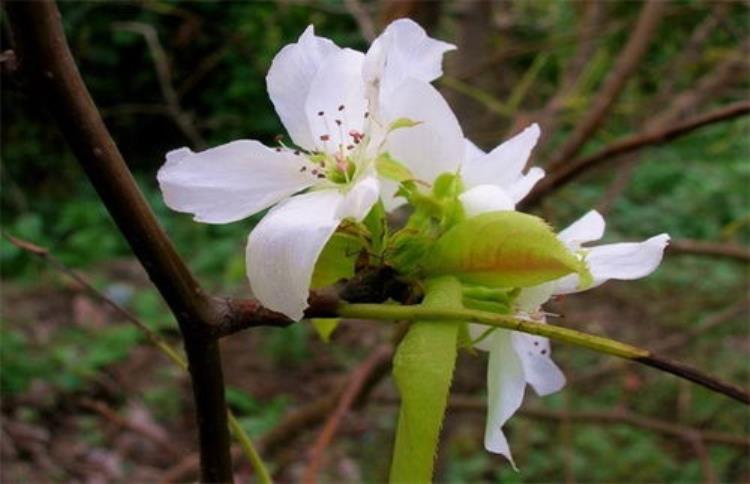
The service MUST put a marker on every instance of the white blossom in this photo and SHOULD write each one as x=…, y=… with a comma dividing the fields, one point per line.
x=337, y=105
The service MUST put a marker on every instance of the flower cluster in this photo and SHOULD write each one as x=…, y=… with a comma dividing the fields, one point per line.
x=369, y=133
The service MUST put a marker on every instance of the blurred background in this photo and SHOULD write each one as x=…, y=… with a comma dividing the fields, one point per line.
x=85, y=398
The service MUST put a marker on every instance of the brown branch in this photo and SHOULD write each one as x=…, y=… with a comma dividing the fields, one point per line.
x=710, y=249
x=593, y=17
x=564, y=173
x=46, y=61
x=353, y=388
x=627, y=61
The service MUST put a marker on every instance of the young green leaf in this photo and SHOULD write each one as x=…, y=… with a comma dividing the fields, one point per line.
x=423, y=369
x=392, y=169
x=502, y=249
x=336, y=261
x=403, y=123
x=325, y=327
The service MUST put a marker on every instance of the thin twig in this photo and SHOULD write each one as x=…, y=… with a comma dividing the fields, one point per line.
x=353, y=388
x=564, y=173
x=364, y=19
x=677, y=340
x=710, y=249
x=182, y=119
x=153, y=337
x=614, y=417
x=627, y=61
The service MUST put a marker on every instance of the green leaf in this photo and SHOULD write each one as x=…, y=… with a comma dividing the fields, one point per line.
x=403, y=123
x=336, y=261
x=502, y=249
x=423, y=369
x=391, y=169
x=325, y=327
x=377, y=225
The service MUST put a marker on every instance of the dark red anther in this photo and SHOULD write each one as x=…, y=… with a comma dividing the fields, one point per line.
x=324, y=137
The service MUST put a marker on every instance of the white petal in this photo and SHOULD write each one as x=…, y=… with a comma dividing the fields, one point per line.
x=588, y=228
x=471, y=150
x=360, y=199
x=403, y=51
x=476, y=331
x=539, y=370
x=530, y=299
x=569, y=284
x=283, y=247
x=485, y=198
x=289, y=78
x=433, y=147
x=631, y=260
x=231, y=181
x=521, y=187
x=505, y=389
x=338, y=92
x=503, y=165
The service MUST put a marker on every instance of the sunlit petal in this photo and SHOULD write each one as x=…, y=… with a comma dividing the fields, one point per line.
x=283, y=247
x=506, y=385
x=336, y=103
x=231, y=181
x=289, y=78
x=502, y=166
x=485, y=198
x=433, y=147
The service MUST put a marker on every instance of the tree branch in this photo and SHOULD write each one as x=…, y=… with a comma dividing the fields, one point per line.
x=628, y=60
x=615, y=417
x=45, y=59
x=558, y=177
x=711, y=249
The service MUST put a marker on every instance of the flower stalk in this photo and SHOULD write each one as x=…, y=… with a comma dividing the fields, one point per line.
x=599, y=344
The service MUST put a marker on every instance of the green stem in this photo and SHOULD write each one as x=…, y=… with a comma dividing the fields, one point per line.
x=420, y=312
x=423, y=370
x=249, y=449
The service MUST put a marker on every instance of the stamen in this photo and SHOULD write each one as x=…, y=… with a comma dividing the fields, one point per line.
x=278, y=150
x=341, y=108
x=324, y=137
x=367, y=114
x=320, y=113
x=303, y=169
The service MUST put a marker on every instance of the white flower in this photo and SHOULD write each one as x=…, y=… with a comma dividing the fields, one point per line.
x=518, y=358
x=492, y=181
x=495, y=180
x=331, y=101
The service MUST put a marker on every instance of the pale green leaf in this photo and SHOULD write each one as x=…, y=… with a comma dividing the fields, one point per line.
x=403, y=123
x=423, y=369
x=336, y=261
x=502, y=249
x=325, y=327
x=392, y=169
